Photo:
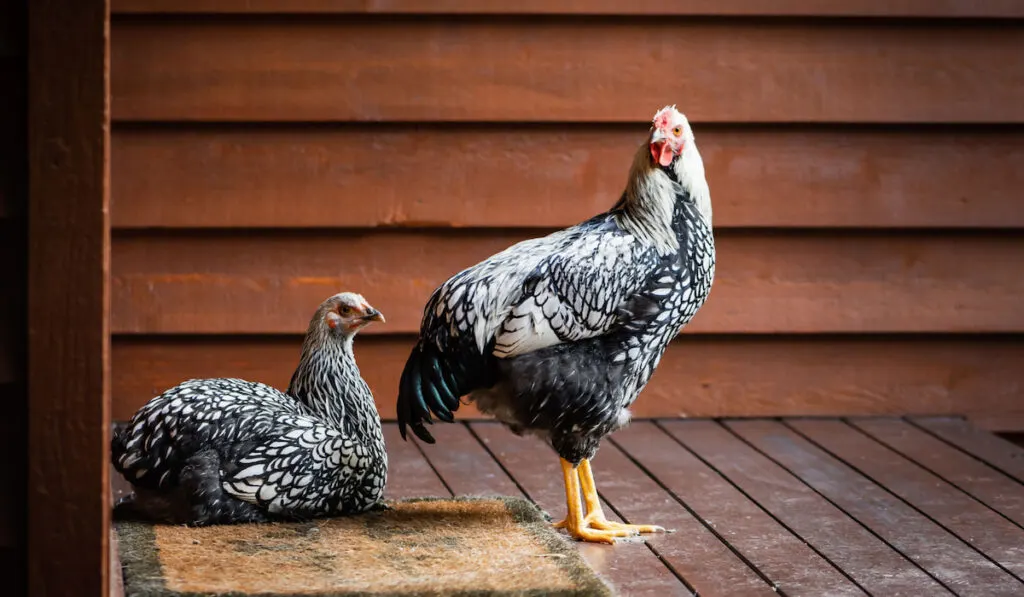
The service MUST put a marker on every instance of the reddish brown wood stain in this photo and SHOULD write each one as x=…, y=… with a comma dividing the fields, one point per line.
x=904, y=8
x=559, y=70
x=289, y=158
x=764, y=284
x=698, y=377
x=509, y=175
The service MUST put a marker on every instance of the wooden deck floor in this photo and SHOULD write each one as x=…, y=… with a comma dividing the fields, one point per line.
x=761, y=507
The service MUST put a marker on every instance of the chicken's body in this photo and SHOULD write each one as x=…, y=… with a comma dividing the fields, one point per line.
x=557, y=336
x=217, y=451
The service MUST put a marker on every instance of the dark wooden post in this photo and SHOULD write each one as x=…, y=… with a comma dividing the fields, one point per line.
x=69, y=255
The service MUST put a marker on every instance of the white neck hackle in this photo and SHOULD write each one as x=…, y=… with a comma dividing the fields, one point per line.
x=650, y=195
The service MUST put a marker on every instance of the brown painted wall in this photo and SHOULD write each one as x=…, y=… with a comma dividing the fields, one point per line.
x=13, y=290
x=865, y=175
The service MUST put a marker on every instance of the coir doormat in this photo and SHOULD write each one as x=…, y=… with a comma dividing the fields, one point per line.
x=462, y=546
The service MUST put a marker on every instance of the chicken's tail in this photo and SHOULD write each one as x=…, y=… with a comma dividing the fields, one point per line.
x=428, y=385
x=433, y=383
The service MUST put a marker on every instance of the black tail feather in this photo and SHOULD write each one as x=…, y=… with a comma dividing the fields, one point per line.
x=429, y=386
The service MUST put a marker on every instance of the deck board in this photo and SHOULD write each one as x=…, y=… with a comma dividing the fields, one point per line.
x=879, y=506
x=782, y=557
x=869, y=561
x=464, y=464
x=690, y=548
x=982, y=445
x=945, y=557
x=409, y=472
x=632, y=567
x=976, y=478
x=981, y=527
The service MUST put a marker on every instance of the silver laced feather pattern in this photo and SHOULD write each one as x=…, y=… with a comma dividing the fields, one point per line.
x=558, y=335
x=227, y=450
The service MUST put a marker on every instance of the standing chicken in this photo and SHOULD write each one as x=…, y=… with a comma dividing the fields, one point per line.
x=557, y=336
x=219, y=451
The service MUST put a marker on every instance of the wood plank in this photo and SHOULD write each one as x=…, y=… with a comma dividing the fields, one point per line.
x=983, y=445
x=979, y=526
x=691, y=549
x=869, y=561
x=782, y=557
x=860, y=8
x=409, y=473
x=591, y=70
x=765, y=282
x=466, y=467
x=699, y=376
x=986, y=484
x=631, y=566
x=69, y=298
x=950, y=561
x=552, y=176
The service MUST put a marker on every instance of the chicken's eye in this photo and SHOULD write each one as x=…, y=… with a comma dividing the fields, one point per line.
x=677, y=131
x=345, y=310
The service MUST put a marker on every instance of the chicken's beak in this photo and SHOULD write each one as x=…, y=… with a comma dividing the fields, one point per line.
x=373, y=315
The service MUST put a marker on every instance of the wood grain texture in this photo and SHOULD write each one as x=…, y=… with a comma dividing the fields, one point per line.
x=899, y=8
x=409, y=473
x=866, y=559
x=782, y=557
x=591, y=70
x=947, y=559
x=632, y=567
x=976, y=524
x=992, y=449
x=691, y=549
x=989, y=486
x=764, y=283
x=69, y=332
x=466, y=467
x=553, y=176
x=698, y=376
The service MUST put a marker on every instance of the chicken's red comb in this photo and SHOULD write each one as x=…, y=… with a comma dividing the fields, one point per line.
x=664, y=116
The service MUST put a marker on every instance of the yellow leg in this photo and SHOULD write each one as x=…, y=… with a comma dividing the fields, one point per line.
x=575, y=523
x=595, y=514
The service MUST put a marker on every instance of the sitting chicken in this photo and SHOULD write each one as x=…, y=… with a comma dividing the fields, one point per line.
x=219, y=451
x=557, y=336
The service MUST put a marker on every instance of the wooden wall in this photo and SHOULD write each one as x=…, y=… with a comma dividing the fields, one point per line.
x=865, y=162
x=13, y=290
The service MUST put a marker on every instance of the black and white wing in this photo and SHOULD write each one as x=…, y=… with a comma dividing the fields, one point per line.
x=168, y=429
x=571, y=285
x=299, y=471
x=575, y=294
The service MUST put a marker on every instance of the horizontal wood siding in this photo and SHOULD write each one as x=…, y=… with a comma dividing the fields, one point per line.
x=563, y=70
x=288, y=176
x=865, y=174
x=709, y=376
x=856, y=8
x=767, y=282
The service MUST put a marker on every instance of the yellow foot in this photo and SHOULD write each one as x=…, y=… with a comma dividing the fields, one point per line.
x=633, y=529
x=596, y=521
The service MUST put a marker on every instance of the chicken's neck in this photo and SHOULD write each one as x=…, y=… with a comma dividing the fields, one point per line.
x=327, y=381
x=649, y=201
